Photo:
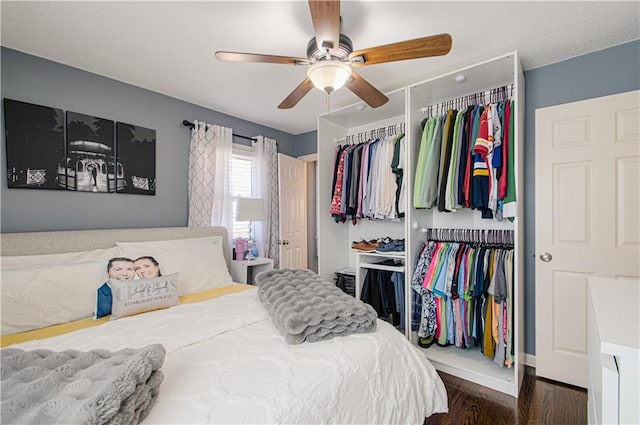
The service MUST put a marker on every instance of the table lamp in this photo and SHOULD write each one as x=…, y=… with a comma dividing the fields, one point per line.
x=250, y=209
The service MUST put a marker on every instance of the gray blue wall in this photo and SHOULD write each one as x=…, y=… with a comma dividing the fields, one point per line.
x=35, y=80
x=609, y=71
x=306, y=143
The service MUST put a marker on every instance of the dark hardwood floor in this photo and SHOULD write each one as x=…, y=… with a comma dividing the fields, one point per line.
x=541, y=402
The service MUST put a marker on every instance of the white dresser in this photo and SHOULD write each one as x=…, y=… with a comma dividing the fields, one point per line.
x=613, y=347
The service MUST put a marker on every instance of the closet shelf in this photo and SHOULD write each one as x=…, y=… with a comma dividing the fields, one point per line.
x=382, y=267
x=390, y=254
x=469, y=364
x=347, y=270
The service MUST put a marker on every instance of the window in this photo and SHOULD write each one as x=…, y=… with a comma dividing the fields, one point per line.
x=241, y=177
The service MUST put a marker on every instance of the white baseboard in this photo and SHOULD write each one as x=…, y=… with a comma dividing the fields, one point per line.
x=530, y=360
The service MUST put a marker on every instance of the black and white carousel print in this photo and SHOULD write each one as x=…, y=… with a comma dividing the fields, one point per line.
x=90, y=163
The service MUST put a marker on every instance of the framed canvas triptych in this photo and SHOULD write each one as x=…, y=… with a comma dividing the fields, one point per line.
x=97, y=154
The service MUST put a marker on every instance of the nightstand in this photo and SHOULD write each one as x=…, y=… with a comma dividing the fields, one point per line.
x=245, y=271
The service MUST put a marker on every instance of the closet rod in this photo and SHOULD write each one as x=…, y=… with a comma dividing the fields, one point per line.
x=488, y=236
x=191, y=125
x=363, y=136
x=495, y=94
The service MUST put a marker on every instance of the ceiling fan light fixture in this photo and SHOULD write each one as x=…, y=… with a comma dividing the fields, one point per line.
x=330, y=75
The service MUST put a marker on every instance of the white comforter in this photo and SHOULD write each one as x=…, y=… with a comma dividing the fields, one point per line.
x=226, y=363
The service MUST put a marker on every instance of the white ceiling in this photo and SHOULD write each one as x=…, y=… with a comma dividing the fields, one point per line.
x=168, y=47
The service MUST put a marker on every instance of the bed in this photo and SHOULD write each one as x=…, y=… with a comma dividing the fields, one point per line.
x=225, y=361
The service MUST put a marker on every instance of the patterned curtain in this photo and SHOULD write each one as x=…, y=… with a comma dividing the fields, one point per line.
x=210, y=202
x=265, y=186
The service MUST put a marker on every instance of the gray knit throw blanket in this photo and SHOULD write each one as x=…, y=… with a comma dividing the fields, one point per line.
x=74, y=387
x=306, y=307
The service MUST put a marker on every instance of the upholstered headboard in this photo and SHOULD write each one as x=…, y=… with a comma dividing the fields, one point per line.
x=34, y=243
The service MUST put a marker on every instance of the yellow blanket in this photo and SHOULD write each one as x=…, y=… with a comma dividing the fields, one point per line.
x=64, y=328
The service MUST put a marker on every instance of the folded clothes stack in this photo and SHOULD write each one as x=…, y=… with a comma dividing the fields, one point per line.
x=382, y=245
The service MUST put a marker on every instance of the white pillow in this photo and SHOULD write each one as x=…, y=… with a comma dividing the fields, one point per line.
x=40, y=297
x=198, y=261
x=137, y=296
x=19, y=262
x=173, y=243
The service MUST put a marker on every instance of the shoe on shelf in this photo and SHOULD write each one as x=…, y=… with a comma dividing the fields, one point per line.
x=363, y=246
x=399, y=245
x=385, y=240
x=375, y=243
x=395, y=245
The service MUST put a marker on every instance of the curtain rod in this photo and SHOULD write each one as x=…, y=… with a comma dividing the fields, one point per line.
x=191, y=125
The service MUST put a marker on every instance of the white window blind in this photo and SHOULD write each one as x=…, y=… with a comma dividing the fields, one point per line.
x=241, y=178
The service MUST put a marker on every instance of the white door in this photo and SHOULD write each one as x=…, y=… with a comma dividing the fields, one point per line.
x=292, y=184
x=587, y=220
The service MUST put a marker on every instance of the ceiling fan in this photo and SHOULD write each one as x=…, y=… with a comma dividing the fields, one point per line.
x=330, y=57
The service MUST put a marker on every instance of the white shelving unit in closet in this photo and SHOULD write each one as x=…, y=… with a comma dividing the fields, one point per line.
x=408, y=106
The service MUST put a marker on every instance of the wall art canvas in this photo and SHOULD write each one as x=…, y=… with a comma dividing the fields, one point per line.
x=90, y=162
x=35, y=144
x=136, y=151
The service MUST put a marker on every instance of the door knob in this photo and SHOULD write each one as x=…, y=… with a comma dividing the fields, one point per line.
x=546, y=257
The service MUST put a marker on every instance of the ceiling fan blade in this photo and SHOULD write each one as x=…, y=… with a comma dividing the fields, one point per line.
x=297, y=94
x=256, y=57
x=434, y=45
x=365, y=91
x=326, y=24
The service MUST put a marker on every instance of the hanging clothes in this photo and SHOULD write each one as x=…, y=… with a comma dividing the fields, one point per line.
x=445, y=164
x=336, y=198
x=425, y=309
x=466, y=294
x=464, y=156
x=384, y=291
x=510, y=205
x=397, y=278
x=426, y=180
x=368, y=180
x=397, y=166
x=482, y=150
x=451, y=199
x=464, y=161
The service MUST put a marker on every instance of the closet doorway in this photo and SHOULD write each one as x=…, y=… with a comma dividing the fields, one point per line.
x=311, y=164
x=292, y=203
x=587, y=209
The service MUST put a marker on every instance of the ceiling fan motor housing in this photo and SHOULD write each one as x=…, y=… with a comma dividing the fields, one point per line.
x=344, y=50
